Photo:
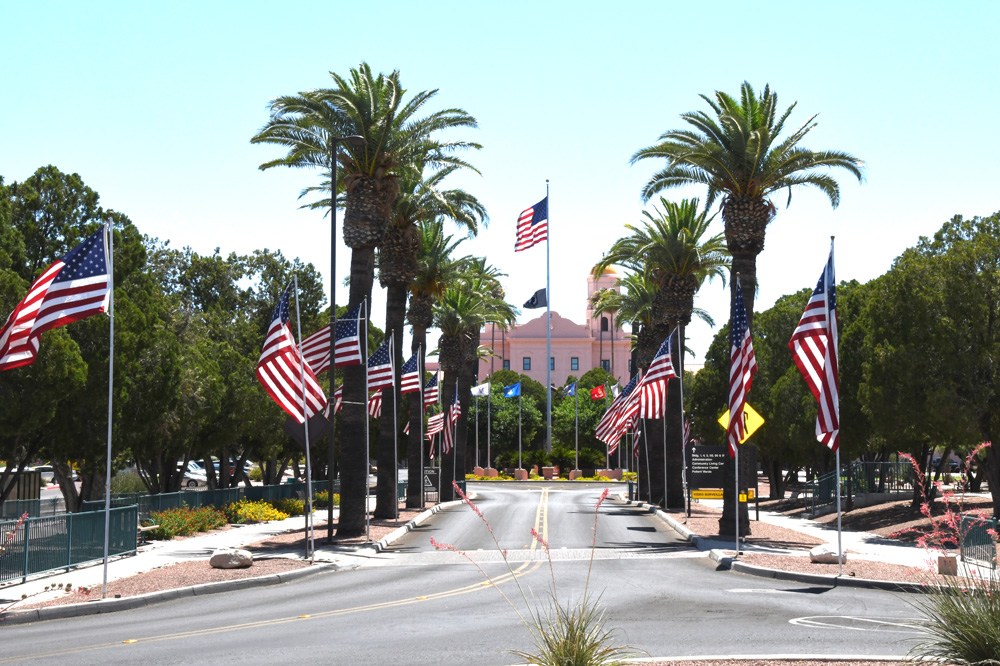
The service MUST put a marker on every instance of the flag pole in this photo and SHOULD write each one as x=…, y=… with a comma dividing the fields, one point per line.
x=111, y=378
x=489, y=396
x=666, y=383
x=477, y=430
x=454, y=437
x=420, y=428
x=310, y=548
x=736, y=459
x=395, y=422
x=548, y=327
x=576, y=418
x=684, y=442
x=835, y=354
x=519, y=465
x=364, y=318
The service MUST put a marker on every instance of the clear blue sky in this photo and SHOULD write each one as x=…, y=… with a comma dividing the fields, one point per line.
x=153, y=104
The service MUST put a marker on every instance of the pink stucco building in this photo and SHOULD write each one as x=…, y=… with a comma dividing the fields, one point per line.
x=576, y=348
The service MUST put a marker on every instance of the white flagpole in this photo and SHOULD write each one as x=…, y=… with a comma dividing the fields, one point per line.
x=310, y=546
x=835, y=354
x=737, y=496
x=364, y=318
x=489, y=420
x=477, y=430
x=548, y=326
x=519, y=465
x=395, y=421
x=576, y=418
x=420, y=428
x=110, y=237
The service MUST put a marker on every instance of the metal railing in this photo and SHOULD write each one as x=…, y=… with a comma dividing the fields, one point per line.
x=52, y=543
x=979, y=545
x=860, y=478
x=15, y=508
x=194, y=499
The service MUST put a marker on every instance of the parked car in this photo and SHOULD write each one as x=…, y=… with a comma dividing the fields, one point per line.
x=195, y=476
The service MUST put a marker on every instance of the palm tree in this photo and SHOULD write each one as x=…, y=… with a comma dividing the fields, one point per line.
x=675, y=252
x=737, y=151
x=398, y=257
x=397, y=143
x=436, y=269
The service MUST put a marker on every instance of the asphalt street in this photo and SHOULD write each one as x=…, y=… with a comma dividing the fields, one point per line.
x=416, y=605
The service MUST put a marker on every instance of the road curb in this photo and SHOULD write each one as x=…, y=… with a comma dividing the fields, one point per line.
x=728, y=563
x=128, y=603
x=398, y=533
x=834, y=658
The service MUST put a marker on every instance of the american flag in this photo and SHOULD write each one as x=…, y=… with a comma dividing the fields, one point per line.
x=316, y=347
x=431, y=392
x=532, y=226
x=635, y=443
x=687, y=432
x=742, y=368
x=71, y=289
x=409, y=380
x=612, y=425
x=380, y=367
x=814, y=350
x=653, y=387
x=375, y=404
x=449, y=431
x=338, y=399
x=280, y=370
x=435, y=424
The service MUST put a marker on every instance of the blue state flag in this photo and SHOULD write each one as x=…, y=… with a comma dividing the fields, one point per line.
x=569, y=390
x=512, y=391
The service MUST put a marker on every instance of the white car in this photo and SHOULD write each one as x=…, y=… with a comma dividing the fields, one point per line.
x=195, y=476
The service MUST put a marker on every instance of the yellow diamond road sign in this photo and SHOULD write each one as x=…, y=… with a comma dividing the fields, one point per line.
x=751, y=421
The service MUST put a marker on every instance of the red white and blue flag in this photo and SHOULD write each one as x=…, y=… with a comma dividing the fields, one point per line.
x=375, y=404
x=742, y=368
x=380, y=367
x=409, y=380
x=449, y=430
x=71, y=289
x=316, y=347
x=431, y=392
x=532, y=226
x=653, y=387
x=280, y=369
x=814, y=350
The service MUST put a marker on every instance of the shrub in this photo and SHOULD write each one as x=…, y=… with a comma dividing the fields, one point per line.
x=293, y=507
x=256, y=474
x=251, y=512
x=127, y=482
x=322, y=499
x=183, y=521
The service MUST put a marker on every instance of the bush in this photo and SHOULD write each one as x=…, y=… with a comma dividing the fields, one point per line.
x=251, y=512
x=322, y=499
x=127, y=482
x=183, y=521
x=293, y=507
x=256, y=474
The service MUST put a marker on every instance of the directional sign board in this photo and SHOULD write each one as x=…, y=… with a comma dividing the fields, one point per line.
x=751, y=421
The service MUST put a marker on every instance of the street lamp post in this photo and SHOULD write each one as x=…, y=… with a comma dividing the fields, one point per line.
x=353, y=142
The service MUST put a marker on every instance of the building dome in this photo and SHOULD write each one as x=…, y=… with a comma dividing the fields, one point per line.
x=607, y=271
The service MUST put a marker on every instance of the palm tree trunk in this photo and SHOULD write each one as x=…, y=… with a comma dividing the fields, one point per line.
x=354, y=465
x=414, y=443
x=385, y=491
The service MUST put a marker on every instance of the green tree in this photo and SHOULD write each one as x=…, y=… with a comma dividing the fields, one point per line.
x=397, y=142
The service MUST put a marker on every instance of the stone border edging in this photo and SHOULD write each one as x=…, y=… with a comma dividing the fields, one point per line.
x=127, y=603
x=765, y=572
x=770, y=657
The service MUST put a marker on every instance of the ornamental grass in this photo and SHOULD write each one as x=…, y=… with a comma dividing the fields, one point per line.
x=183, y=521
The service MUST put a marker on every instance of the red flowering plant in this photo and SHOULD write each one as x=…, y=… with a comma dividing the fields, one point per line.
x=563, y=634
x=949, y=529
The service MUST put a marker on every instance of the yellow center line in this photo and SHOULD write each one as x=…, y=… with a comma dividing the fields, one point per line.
x=541, y=527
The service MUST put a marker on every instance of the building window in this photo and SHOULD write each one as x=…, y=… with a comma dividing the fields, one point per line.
x=506, y=364
x=552, y=363
x=574, y=363
x=526, y=363
x=606, y=365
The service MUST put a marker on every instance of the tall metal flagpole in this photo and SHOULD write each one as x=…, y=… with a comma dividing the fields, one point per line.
x=111, y=379
x=576, y=420
x=736, y=460
x=519, y=465
x=310, y=544
x=477, y=430
x=395, y=422
x=835, y=354
x=548, y=325
x=420, y=428
x=684, y=442
x=368, y=526
x=489, y=396
x=454, y=440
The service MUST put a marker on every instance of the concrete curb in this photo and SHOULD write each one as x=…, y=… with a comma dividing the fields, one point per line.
x=127, y=603
x=398, y=533
x=769, y=657
x=728, y=563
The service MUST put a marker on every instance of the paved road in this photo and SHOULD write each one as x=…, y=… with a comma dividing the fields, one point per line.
x=415, y=605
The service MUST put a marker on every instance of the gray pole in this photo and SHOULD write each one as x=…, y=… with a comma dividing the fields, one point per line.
x=310, y=546
x=331, y=443
x=519, y=465
x=368, y=529
x=477, y=430
x=576, y=410
x=548, y=328
x=111, y=380
x=395, y=424
x=489, y=396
